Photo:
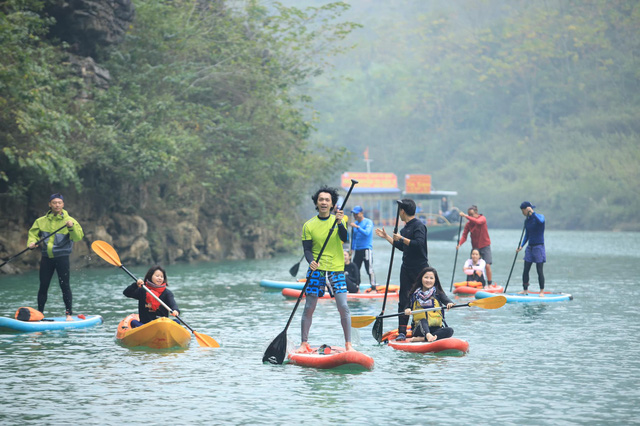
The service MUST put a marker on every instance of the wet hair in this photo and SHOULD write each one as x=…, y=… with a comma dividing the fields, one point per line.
x=152, y=271
x=418, y=283
x=409, y=206
x=331, y=191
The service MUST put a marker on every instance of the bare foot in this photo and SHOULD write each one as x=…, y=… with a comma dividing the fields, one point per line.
x=542, y=293
x=431, y=338
x=69, y=318
x=525, y=292
x=348, y=346
x=304, y=348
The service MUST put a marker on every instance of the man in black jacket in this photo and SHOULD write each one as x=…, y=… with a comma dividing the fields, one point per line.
x=412, y=241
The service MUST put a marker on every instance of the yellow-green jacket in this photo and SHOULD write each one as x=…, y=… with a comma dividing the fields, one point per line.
x=59, y=244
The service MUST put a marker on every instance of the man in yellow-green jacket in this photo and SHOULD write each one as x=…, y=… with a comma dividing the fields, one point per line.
x=60, y=231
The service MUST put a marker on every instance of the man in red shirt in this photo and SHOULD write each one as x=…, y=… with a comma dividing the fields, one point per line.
x=477, y=225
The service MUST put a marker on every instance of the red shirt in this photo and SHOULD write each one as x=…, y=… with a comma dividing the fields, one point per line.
x=479, y=232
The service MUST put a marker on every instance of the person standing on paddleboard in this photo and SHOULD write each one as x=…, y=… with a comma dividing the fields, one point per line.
x=412, y=241
x=477, y=225
x=329, y=272
x=535, y=252
x=55, y=250
x=148, y=307
x=362, y=243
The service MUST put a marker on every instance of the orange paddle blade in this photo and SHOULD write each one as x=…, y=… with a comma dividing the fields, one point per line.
x=494, y=302
x=206, y=341
x=105, y=251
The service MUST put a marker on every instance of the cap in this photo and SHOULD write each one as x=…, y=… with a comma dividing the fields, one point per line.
x=526, y=204
x=56, y=195
x=356, y=210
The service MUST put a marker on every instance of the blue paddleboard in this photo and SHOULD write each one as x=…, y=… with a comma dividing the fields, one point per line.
x=53, y=323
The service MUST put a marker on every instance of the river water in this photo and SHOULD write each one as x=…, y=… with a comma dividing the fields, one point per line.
x=574, y=362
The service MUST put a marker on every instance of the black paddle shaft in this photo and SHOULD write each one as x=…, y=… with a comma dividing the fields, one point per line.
x=149, y=291
x=514, y=258
x=455, y=260
x=393, y=248
x=326, y=241
x=27, y=249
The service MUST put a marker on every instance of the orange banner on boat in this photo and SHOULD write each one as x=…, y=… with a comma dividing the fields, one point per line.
x=370, y=180
x=417, y=184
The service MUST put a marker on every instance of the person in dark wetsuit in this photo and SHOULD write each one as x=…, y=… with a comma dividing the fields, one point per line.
x=148, y=307
x=351, y=274
x=412, y=241
x=427, y=293
x=535, y=252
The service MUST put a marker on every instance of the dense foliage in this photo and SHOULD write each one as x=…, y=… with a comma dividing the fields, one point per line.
x=503, y=101
x=204, y=108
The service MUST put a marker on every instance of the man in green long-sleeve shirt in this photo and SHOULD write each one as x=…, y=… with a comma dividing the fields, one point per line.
x=56, y=249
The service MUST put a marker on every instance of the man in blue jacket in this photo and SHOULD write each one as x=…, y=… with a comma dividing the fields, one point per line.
x=362, y=243
x=535, y=252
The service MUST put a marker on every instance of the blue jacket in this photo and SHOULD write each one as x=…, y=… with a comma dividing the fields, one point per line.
x=363, y=236
x=534, y=230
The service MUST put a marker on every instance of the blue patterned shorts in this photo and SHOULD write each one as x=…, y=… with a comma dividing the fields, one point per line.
x=318, y=281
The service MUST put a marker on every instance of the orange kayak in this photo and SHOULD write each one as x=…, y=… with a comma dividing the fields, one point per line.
x=161, y=333
x=450, y=346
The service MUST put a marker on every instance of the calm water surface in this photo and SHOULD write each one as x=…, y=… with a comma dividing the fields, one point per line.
x=573, y=362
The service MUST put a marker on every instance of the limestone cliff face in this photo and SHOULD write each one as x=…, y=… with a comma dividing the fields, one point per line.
x=184, y=235
x=87, y=24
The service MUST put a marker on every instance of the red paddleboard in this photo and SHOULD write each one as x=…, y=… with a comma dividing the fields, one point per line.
x=463, y=289
x=327, y=357
x=449, y=345
x=294, y=294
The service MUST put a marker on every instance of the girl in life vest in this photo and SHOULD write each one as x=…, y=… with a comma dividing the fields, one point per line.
x=148, y=307
x=428, y=293
x=475, y=268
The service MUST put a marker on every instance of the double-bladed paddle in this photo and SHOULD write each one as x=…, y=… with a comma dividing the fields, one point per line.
x=277, y=350
x=494, y=302
x=108, y=253
x=376, y=331
x=515, y=257
x=27, y=249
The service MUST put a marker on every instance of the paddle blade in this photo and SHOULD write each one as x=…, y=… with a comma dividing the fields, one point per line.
x=362, y=321
x=294, y=269
x=376, y=331
x=105, y=251
x=494, y=302
x=206, y=341
x=277, y=350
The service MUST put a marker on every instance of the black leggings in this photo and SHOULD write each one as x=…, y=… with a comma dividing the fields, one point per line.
x=47, y=267
x=525, y=275
x=420, y=330
x=366, y=256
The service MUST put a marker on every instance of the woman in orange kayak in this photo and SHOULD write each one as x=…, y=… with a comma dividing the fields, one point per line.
x=148, y=307
x=428, y=293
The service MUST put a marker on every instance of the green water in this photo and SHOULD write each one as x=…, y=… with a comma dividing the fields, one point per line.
x=572, y=362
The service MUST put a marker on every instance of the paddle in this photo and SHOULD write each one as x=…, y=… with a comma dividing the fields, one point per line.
x=455, y=260
x=108, y=253
x=377, y=327
x=488, y=303
x=514, y=258
x=294, y=269
x=27, y=249
x=277, y=350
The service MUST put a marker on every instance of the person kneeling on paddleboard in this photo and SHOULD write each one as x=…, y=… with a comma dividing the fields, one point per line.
x=428, y=293
x=148, y=307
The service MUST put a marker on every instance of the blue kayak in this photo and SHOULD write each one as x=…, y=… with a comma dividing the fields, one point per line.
x=53, y=323
x=296, y=285
x=528, y=298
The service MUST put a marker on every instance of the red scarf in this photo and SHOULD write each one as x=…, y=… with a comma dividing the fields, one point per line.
x=157, y=290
